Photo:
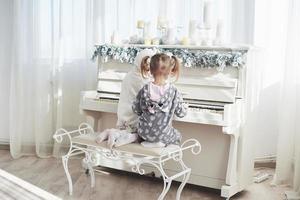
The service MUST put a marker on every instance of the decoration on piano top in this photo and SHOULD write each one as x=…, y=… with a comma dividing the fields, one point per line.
x=189, y=57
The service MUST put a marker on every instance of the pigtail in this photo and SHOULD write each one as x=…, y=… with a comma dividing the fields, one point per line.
x=175, y=67
x=145, y=66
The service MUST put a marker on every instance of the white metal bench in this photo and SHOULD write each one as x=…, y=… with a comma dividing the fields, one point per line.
x=82, y=140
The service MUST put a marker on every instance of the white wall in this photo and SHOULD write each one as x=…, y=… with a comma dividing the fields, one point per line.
x=5, y=53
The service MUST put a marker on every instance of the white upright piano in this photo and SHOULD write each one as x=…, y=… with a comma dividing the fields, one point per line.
x=215, y=117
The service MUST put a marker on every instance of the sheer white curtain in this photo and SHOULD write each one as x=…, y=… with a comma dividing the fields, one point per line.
x=5, y=49
x=288, y=153
x=269, y=35
x=52, y=44
x=276, y=32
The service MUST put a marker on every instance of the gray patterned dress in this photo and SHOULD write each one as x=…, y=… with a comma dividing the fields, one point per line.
x=155, y=117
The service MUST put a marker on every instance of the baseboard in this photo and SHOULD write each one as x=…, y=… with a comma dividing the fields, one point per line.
x=290, y=195
x=268, y=161
x=4, y=146
x=4, y=141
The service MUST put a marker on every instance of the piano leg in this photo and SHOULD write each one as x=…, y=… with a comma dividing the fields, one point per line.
x=232, y=163
x=231, y=186
x=93, y=119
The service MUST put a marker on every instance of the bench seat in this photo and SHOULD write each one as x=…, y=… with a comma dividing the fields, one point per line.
x=133, y=148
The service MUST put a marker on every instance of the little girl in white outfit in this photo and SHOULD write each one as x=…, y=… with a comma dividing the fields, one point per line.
x=127, y=119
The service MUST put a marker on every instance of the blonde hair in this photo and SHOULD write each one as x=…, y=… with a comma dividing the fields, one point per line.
x=160, y=64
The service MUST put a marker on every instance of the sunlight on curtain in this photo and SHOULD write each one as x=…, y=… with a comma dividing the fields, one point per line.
x=52, y=47
x=269, y=35
x=288, y=153
x=5, y=54
x=277, y=32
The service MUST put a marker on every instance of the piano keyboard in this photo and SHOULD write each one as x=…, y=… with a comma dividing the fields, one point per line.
x=193, y=104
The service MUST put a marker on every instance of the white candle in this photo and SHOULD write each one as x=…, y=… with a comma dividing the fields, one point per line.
x=201, y=20
x=147, y=30
x=171, y=35
x=220, y=33
x=208, y=41
x=192, y=28
x=147, y=41
x=208, y=14
x=185, y=41
x=193, y=31
x=140, y=24
x=220, y=30
x=162, y=22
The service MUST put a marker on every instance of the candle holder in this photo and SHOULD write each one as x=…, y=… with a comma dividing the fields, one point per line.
x=162, y=25
x=147, y=41
x=162, y=32
x=179, y=33
x=156, y=41
x=206, y=36
x=185, y=41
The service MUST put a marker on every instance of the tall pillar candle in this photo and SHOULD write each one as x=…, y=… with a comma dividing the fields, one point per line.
x=220, y=33
x=208, y=14
x=192, y=28
x=193, y=31
x=171, y=35
x=147, y=30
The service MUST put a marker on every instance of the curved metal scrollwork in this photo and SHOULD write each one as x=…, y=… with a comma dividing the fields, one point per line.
x=58, y=135
x=195, y=146
x=177, y=156
x=85, y=128
x=137, y=168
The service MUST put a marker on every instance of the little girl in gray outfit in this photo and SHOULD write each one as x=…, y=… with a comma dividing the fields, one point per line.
x=157, y=102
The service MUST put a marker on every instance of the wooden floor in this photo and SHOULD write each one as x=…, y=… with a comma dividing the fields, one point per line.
x=48, y=174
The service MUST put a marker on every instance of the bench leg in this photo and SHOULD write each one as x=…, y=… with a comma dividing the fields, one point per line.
x=167, y=185
x=65, y=160
x=92, y=174
x=183, y=183
x=186, y=175
x=159, y=167
x=88, y=160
